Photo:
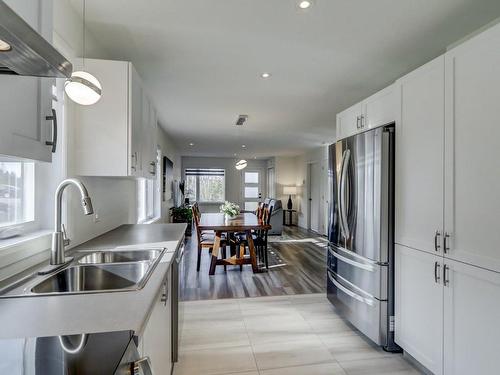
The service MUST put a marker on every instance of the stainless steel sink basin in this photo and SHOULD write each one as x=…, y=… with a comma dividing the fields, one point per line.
x=107, y=256
x=87, y=278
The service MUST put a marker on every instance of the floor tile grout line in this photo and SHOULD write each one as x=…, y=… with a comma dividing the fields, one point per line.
x=249, y=340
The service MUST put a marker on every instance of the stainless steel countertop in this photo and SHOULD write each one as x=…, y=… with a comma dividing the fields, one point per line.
x=73, y=314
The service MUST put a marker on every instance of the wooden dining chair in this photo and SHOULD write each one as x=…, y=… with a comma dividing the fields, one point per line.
x=206, y=239
x=259, y=238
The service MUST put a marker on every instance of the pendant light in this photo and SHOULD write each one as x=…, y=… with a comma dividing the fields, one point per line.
x=83, y=88
x=242, y=163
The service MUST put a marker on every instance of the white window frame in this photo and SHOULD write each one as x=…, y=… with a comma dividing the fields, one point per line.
x=149, y=195
x=197, y=195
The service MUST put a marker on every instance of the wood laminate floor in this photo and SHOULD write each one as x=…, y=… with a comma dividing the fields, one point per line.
x=298, y=266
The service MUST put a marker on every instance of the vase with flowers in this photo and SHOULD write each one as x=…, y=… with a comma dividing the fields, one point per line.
x=230, y=210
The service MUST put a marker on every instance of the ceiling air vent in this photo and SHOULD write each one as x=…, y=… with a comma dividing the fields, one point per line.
x=241, y=119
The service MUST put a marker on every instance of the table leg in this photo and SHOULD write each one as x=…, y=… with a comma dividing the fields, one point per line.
x=215, y=252
x=290, y=218
x=251, y=249
x=284, y=217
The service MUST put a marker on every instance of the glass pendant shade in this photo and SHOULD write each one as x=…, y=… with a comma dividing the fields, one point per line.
x=242, y=164
x=83, y=88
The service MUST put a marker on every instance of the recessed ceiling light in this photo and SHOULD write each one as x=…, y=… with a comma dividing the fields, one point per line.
x=265, y=75
x=4, y=46
x=304, y=4
x=243, y=146
x=191, y=143
x=235, y=154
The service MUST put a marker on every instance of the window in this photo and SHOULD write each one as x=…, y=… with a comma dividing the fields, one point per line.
x=205, y=185
x=146, y=199
x=149, y=194
x=17, y=192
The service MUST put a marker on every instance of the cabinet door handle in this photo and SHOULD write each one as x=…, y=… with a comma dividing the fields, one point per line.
x=437, y=244
x=446, y=280
x=164, y=296
x=53, y=118
x=437, y=267
x=142, y=367
x=357, y=122
x=362, y=121
x=446, y=247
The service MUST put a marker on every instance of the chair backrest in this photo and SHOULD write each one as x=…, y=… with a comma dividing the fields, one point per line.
x=266, y=217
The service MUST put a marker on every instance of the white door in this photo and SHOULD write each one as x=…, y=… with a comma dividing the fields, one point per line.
x=26, y=102
x=419, y=306
x=315, y=181
x=472, y=143
x=471, y=320
x=419, y=157
x=252, y=188
x=271, y=183
x=349, y=121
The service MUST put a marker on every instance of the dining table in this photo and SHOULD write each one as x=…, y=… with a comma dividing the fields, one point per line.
x=245, y=222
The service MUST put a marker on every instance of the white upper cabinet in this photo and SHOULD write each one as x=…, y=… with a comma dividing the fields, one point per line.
x=348, y=121
x=419, y=158
x=380, y=108
x=377, y=110
x=419, y=306
x=26, y=102
x=472, y=150
x=113, y=137
x=471, y=313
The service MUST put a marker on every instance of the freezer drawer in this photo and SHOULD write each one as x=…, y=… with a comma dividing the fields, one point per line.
x=365, y=274
x=366, y=313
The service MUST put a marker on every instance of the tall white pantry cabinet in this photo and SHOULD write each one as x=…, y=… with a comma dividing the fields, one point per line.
x=447, y=206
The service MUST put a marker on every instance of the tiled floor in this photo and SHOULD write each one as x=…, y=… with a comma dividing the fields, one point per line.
x=292, y=335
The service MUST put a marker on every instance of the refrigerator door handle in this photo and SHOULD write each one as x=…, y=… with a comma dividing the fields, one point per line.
x=366, y=267
x=342, y=189
x=350, y=293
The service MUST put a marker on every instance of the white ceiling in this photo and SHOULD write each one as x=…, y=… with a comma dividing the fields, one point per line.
x=201, y=61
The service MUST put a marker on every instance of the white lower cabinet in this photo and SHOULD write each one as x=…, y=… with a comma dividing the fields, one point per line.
x=471, y=320
x=419, y=306
x=447, y=313
x=156, y=341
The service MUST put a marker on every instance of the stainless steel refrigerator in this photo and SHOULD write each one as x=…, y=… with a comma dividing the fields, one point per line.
x=360, y=273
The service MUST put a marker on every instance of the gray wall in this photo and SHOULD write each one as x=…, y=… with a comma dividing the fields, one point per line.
x=233, y=176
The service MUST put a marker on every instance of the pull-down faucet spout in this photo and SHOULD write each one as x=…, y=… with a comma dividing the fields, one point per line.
x=57, y=256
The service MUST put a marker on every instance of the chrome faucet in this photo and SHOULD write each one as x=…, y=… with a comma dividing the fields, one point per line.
x=59, y=239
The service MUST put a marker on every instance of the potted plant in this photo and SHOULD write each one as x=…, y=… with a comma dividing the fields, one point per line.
x=231, y=210
x=183, y=214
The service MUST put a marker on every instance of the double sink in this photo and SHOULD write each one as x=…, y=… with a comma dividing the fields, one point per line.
x=98, y=271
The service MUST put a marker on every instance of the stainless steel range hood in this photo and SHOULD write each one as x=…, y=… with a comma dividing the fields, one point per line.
x=25, y=52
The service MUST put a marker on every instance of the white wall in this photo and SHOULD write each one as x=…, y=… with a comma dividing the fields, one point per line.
x=169, y=150
x=233, y=176
x=293, y=171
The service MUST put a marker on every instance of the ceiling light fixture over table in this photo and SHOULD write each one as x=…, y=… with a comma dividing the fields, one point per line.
x=4, y=46
x=305, y=4
x=241, y=164
x=83, y=88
